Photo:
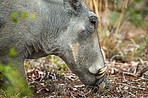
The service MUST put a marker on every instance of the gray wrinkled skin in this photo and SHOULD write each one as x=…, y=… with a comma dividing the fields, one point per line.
x=61, y=27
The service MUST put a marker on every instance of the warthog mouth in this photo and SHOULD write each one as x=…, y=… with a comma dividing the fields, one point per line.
x=101, y=76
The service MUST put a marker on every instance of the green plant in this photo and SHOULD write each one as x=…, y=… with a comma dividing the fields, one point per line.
x=13, y=85
x=16, y=86
x=62, y=67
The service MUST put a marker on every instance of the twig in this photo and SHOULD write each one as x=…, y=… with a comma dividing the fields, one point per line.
x=133, y=86
x=140, y=60
x=130, y=93
x=95, y=2
x=106, y=14
x=71, y=94
x=128, y=82
x=136, y=69
x=114, y=57
x=91, y=4
x=130, y=74
x=143, y=71
x=100, y=20
x=3, y=93
x=120, y=19
x=144, y=79
x=86, y=93
x=43, y=77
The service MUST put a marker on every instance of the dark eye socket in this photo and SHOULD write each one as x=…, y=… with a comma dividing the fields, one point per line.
x=93, y=20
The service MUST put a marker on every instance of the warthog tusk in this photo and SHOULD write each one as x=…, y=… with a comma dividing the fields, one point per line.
x=102, y=70
x=98, y=77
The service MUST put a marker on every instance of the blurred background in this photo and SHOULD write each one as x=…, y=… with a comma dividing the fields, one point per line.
x=123, y=28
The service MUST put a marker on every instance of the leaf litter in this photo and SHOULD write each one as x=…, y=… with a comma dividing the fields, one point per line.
x=50, y=80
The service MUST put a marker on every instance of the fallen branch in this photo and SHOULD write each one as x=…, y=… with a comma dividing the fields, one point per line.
x=133, y=86
x=143, y=71
x=130, y=93
x=130, y=74
x=144, y=79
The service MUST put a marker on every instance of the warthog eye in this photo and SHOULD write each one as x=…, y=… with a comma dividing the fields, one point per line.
x=93, y=20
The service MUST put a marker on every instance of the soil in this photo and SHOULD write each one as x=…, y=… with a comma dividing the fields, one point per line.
x=124, y=80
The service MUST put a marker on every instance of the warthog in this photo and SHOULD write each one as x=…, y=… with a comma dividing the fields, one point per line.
x=65, y=28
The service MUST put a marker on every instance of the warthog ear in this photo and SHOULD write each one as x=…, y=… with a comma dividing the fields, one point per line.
x=74, y=5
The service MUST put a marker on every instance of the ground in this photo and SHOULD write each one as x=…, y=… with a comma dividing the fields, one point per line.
x=49, y=79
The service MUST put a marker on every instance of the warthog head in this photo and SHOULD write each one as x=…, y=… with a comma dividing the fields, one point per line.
x=80, y=44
